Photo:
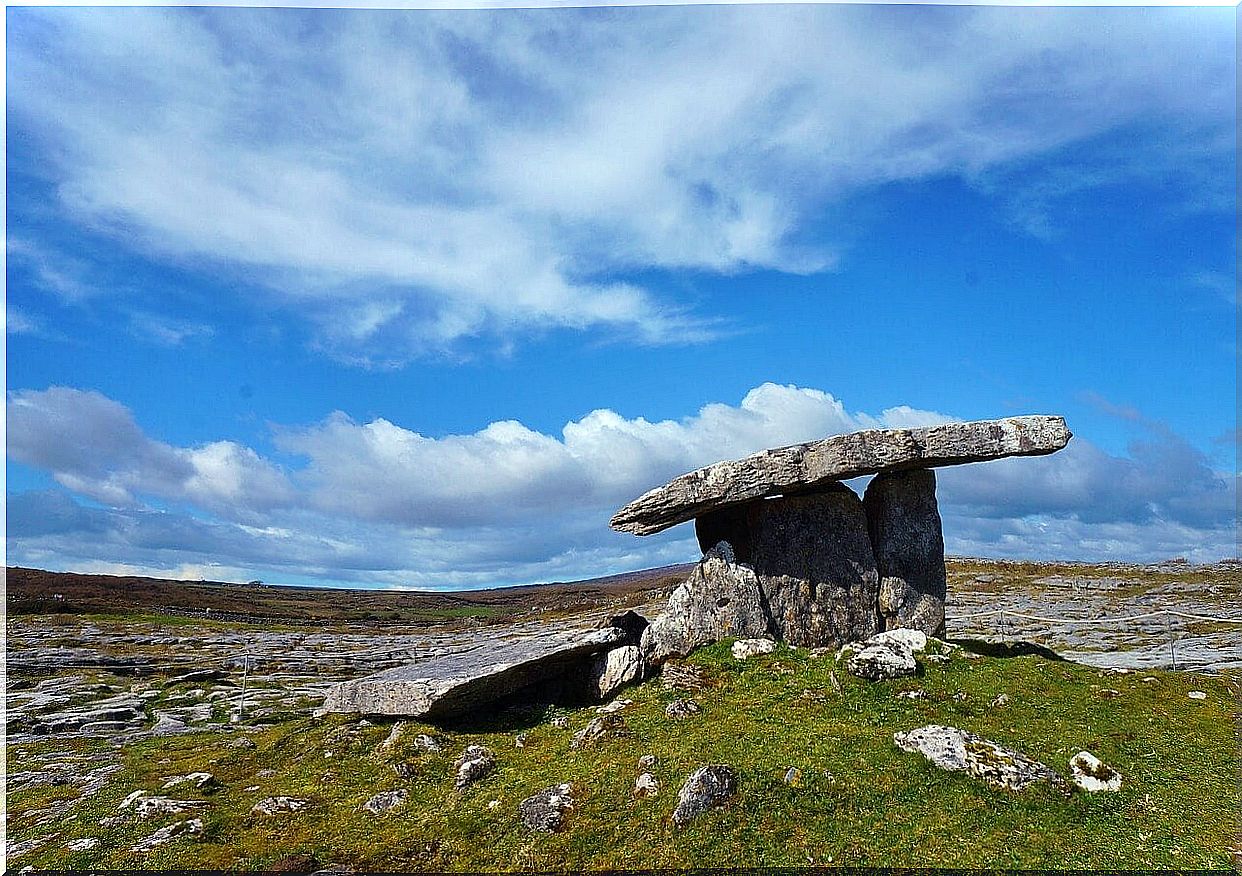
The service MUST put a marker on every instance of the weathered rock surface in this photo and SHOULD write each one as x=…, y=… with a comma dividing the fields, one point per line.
x=720, y=599
x=473, y=764
x=270, y=806
x=906, y=538
x=816, y=571
x=612, y=670
x=882, y=661
x=462, y=682
x=911, y=640
x=546, y=810
x=380, y=803
x=804, y=466
x=598, y=728
x=1092, y=774
x=169, y=832
x=952, y=749
x=706, y=787
x=682, y=709
x=646, y=785
x=744, y=649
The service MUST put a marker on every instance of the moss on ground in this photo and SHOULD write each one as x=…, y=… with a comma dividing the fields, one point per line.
x=859, y=801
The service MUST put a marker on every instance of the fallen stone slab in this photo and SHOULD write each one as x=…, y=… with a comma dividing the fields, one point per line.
x=463, y=682
x=804, y=467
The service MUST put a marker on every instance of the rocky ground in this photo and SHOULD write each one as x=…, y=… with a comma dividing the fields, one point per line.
x=125, y=681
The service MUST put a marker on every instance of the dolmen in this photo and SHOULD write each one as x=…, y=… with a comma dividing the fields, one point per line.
x=789, y=553
x=792, y=553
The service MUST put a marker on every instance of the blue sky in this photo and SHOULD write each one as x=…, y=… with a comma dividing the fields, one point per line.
x=417, y=299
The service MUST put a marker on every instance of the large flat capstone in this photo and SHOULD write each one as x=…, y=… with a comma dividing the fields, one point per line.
x=804, y=467
x=463, y=682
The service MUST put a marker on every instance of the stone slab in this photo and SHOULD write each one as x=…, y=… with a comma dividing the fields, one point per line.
x=806, y=467
x=463, y=682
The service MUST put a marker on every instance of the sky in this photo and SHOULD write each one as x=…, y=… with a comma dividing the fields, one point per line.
x=418, y=299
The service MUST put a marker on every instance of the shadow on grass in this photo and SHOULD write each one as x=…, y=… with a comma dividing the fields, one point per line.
x=1007, y=649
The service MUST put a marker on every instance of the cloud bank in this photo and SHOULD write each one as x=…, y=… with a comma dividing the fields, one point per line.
x=378, y=503
x=406, y=181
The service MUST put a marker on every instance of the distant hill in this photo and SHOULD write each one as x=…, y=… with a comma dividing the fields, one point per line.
x=34, y=591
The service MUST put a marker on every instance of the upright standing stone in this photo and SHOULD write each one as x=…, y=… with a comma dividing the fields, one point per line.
x=813, y=557
x=720, y=599
x=909, y=549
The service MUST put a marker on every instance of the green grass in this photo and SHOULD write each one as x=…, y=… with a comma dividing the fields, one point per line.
x=861, y=801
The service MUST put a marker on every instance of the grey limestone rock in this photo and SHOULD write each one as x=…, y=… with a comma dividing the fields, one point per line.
x=813, y=559
x=952, y=749
x=881, y=662
x=166, y=834
x=744, y=649
x=1092, y=774
x=458, y=683
x=546, y=810
x=908, y=543
x=270, y=806
x=720, y=599
x=614, y=669
x=706, y=787
x=382, y=802
x=474, y=763
x=802, y=467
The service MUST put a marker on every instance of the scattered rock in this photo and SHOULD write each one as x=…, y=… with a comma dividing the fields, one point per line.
x=916, y=694
x=793, y=777
x=646, y=785
x=1197, y=695
x=914, y=641
x=14, y=850
x=241, y=743
x=473, y=764
x=270, y=806
x=682, y=709
x=405, y=770
x=205, y=782
x=169, y=832
x=706, y=787
x=391, y=739
x=1000, y=700
x=952, y=749
x=1092, y=774
x=647, y=761
x=519, y=741
x=150, y=807
x=130, y=799
x=85, y=844
x=599, y=727
x=546, y=810
x=882, y=662
x=560, y=721
x=424, y=742
x=614, y=706
x=384, y=801
x=743, y=649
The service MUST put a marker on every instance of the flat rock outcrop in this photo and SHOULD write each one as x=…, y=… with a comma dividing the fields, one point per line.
x=463, y=682
x=802, y=467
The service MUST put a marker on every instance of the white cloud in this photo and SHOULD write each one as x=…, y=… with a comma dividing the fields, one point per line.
x=378, y=503
x=409, y=179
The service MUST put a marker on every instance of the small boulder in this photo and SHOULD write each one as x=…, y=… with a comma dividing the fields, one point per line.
x=913, y=641
x=646, y=785
x=190, y=827
x=952, y=749
x=599, y=727
x=647, y=762
x=85, y=844
x=546, y=810
x=205, y=782
x=270, y=806
x=743, y=649
x=682, y=709
x=150, y=807
x=473, y=764
x=882, y=662
x=391, y=739
x=793, y=777
x=1092, y=774
x=424, y=742
x=706, y=787
x=384, y=801
x=614, y=706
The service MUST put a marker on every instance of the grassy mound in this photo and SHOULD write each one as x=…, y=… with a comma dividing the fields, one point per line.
x=858, y=800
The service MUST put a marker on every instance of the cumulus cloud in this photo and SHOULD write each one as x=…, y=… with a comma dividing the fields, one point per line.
x=382, y=504
x=406, y=180
x=92, y=446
